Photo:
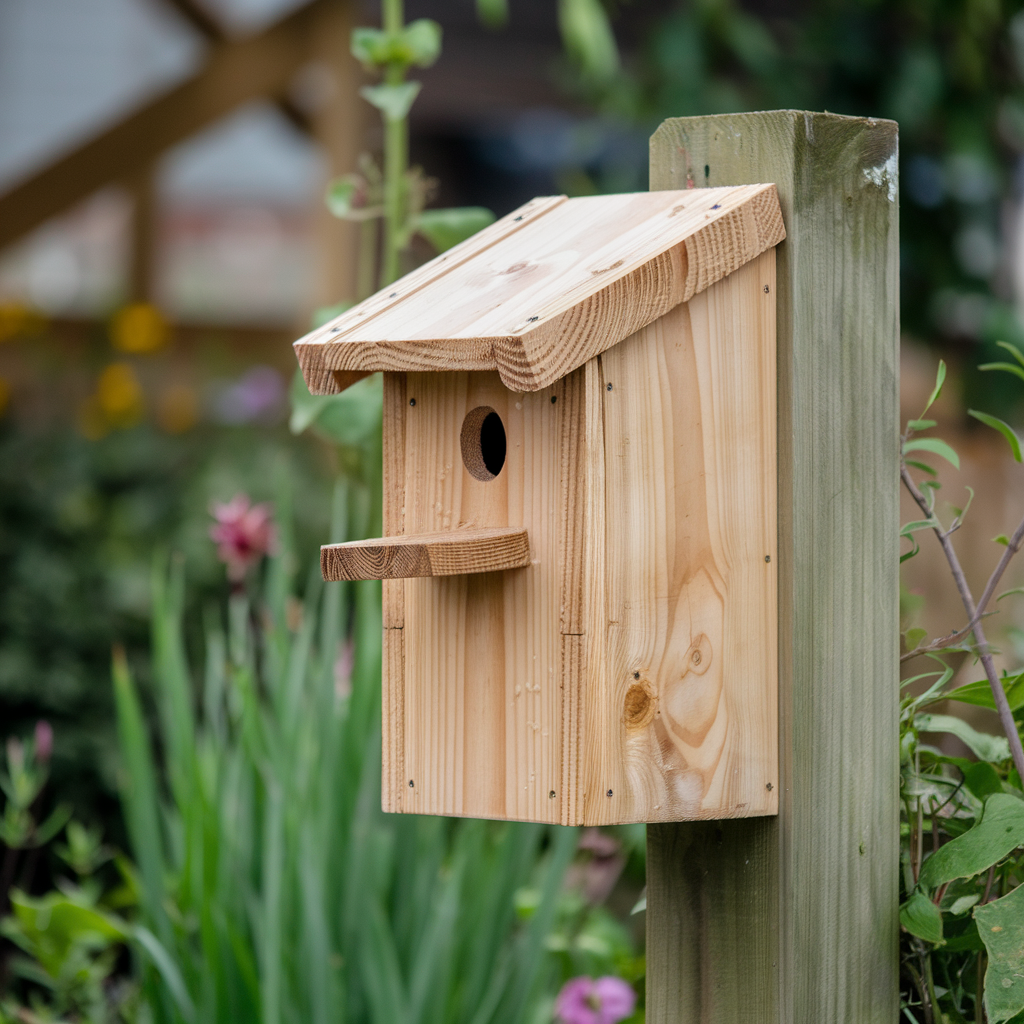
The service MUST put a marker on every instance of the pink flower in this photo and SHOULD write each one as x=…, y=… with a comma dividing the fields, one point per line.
x=586, y=1001
x=44, y=741
x=243, y=533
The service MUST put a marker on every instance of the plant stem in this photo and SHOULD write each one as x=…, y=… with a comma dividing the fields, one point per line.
x=933, y=999
x=396, y=157
x=998, y=693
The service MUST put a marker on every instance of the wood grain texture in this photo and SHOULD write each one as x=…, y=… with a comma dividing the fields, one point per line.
x=794, y=919
x=481, y=713
x=453, y=553
x=393, y=478
x=547, y=288
x=680, y=681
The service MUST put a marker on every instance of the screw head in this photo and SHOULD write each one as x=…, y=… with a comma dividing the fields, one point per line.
x=609, y=793
x=766, y=289
x=411, y=783
x=608, y=386
x=767, y=558
x=412, y=401
x=769, y=787
x=551, y=795
x=554, y=398
x=636, y=675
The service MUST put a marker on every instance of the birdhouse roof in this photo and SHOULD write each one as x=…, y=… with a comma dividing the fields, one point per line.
x=549, y=286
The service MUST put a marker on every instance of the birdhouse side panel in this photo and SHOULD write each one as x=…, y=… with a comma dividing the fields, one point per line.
x=678, y=678
x=476, y=685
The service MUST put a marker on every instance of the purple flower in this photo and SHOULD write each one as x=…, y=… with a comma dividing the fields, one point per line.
x=586, y=1001
x=243, y=533
x=44, y=741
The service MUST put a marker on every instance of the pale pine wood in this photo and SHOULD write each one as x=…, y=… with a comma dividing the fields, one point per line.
x=454, y=553
x=650, y=506
x=679, y=677
x=793, y=919
x=393, y=518
x=547, y=288
x=481, y=701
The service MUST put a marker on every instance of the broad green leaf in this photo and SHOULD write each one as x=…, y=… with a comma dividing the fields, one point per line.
x=422, y=42
x=1005, y=367
x=1000, y=831
x=349, y=418
x=1004, y=428
x=921, y=424
x=962, y=905
x=445, y=228
x=979, y=693
x=982, y=779
x=982, y=744
x=967, y=941
x=914, y=636
x=371, y=45
x=393, y=101
x=935, y=446
x=922, y=918
x=1001, y=927
x=920, y=524
x=493, y=13
x=940, y=376
x=325, y=314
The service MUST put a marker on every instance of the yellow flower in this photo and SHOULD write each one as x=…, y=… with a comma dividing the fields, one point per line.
x=18, y=320
x=119, y=395
x=139, y=328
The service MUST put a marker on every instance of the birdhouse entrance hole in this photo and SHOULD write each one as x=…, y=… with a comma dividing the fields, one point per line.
x=483, y=443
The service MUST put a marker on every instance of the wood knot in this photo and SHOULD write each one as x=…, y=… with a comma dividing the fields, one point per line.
x=698, y=657
x=517, y=267
x=604, y=270
x=640, y=706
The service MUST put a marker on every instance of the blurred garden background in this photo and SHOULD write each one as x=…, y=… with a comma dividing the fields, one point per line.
x=207, y=830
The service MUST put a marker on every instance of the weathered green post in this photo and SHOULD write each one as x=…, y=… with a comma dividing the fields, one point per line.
x=793, y=920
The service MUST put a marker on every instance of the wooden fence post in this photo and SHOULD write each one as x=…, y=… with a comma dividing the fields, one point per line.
x=793, y=920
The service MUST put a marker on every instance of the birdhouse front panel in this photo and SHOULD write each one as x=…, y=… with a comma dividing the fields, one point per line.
x=580, y=611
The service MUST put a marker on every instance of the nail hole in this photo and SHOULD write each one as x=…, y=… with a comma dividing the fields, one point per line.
x=769, y=787
x=717, y=206
x=411, y=783
x=393, y=295
x=767, y=558
x=707, y=171
x=766, y=289
x=412, y=401
x=554, y=398
x=609, y=792
x=483, y=443
x=636, y=675
x=608, y=386
x=551, y=795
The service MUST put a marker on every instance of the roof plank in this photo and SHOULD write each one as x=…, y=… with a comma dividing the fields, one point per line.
x=549, y=286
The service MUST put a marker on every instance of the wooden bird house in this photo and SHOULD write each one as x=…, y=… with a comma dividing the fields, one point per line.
x=580, y=621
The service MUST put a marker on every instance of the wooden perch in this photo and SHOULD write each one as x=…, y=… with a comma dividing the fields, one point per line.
x=429, y=554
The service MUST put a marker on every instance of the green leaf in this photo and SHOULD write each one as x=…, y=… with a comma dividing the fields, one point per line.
x=1000, y=831
x=445, y=228
x=168, y=969
x=393, y=101
x=910, y=554
x=350, y=418
x=418, y=43
x=962, y=905
x=920, y=524
x=967, y=941
x=982, y=744
x=493, y=13
x=922, y=918
x=921, y=424
x=588, y=37
x=923, y=466
x=979, y=693
x=914, y=636
x=1005, y=367
x=982, y=779
x=935, y=446
x=1004, y=428
x=1001, y=926
x=1001, y=539
x=348, y=198
x=940, y=376
x=1015, y=590
x=1013, y=350
x=325, y=314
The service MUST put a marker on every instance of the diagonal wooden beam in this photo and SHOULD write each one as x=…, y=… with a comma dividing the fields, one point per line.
x=238, y=71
